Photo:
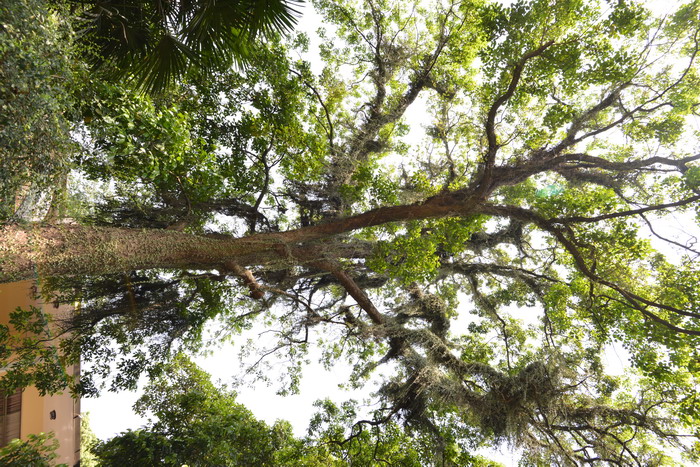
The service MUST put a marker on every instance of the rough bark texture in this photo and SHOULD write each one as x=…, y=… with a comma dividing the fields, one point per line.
x=33, y=250
x=40, y=250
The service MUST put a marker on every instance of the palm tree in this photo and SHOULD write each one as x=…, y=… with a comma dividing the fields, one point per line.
x=155, y=42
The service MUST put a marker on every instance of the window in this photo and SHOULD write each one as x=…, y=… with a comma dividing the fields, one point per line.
x=10, y=413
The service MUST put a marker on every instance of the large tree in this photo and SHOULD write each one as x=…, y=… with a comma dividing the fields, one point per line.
x=197, y=423
x=194, y=422
x=487, y=266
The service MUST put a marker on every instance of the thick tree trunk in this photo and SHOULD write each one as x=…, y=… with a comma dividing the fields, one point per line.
x=32, y=250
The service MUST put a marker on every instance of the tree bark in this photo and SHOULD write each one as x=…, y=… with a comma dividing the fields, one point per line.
x=33, y=250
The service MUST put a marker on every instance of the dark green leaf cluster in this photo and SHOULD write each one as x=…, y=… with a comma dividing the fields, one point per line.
x=129, y=324
x=212, y=148
x=157, y=43
x=195, y=423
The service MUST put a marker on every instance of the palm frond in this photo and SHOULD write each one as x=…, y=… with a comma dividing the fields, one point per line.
x=275, y=16
x=156, y=43
x=163, y=65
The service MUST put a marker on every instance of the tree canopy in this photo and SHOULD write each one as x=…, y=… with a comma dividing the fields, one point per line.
x=468, y=201
x=197, y=423
x=194, y=423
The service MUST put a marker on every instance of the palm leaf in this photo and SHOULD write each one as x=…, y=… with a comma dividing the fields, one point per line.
x=275, y=16
x=155, y=43
x=163, y=65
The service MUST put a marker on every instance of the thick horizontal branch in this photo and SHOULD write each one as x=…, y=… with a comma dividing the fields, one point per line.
x=602, y=163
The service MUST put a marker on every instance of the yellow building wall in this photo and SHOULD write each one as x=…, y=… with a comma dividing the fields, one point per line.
x=37, y=411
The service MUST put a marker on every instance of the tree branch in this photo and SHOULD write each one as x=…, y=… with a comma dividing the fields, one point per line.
x=351, y=287
x=631, y=298
x=493, y=111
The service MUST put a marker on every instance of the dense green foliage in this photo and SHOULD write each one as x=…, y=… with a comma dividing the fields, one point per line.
x=196, y=423
x=38, y=75
x=156, y=43
x=37, y=451
x=88, y=441
x=193, y=423
x=466, y=202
